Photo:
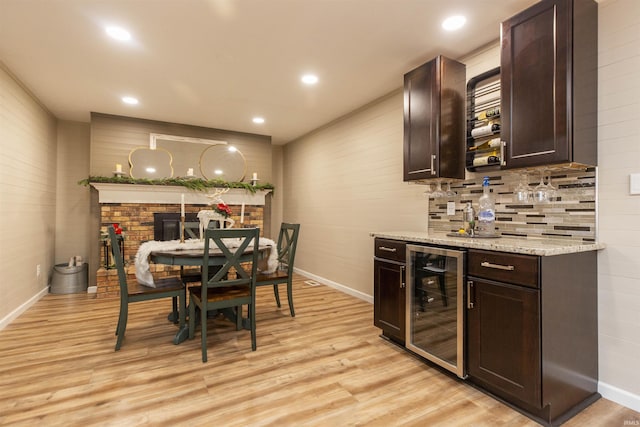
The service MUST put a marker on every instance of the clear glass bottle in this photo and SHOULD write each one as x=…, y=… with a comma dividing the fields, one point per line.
x=486, y=225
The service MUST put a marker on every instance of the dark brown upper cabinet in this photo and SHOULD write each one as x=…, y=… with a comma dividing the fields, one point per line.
x=549, y=71
x=434, y=120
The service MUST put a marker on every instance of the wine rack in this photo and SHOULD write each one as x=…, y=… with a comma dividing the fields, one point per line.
x=484, y=146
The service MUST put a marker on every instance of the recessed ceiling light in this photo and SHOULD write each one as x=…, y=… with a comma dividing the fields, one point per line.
x=309, y=79
x=232, y=149
x=258, y=120
x=118, y=33
x=129, y=100
x=453, y=23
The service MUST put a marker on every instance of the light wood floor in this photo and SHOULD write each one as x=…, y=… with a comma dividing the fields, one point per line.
x=325, y=367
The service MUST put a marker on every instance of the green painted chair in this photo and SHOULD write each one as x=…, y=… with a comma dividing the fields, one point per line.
x=287, y=244
x=170, y=287
x=232, y=286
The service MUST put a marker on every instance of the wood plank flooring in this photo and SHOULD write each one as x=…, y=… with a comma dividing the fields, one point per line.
x=325, y=367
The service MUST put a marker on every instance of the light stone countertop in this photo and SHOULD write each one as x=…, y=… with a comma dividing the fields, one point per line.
x=530, y=246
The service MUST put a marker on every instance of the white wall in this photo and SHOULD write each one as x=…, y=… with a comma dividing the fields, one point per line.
x=27, y=197
x=619, y=212
x=72, y=220
x=341, y=183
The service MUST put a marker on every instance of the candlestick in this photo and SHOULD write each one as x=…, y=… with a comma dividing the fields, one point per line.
x=182, y=205
x=182, y=229
x=119, y=168
x=242, y=214
x=255, y=176
x=190, y=172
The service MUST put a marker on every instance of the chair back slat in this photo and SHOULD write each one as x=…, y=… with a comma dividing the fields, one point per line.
x=122, y=275
x=287, y=243
x=232, y=242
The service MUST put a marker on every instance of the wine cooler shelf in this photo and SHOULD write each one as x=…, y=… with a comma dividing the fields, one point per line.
x=484, y=146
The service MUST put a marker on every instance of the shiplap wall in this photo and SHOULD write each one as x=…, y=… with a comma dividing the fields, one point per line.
x=27, y=196
x=619, y=212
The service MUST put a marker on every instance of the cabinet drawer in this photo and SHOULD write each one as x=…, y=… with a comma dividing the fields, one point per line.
x=390, y=249
x=504, y=267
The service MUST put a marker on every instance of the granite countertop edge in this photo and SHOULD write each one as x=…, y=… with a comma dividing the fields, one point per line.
x=518, y=245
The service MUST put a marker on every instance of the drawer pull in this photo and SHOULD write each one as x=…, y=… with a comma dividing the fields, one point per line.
x=384, y=248
x=497, y=266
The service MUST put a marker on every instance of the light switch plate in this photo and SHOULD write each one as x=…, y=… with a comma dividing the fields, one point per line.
x=634, y=183
x=451, y=208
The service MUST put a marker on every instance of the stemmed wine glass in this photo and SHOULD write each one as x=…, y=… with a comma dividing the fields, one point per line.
x=541, y=192
x=523, y=192
x=449, y=192
x=438, y=193
x=551, y=190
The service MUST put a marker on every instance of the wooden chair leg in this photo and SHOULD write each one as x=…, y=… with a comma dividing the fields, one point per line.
x=203, y=333
x=238, y=318
x=122, y=324
x=192, y=319
x=277, y=294
x=251, y=311
x=290, y=296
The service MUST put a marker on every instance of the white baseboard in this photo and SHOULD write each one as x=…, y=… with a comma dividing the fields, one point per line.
x=621, y=397
x=335, y=285
x=22, y=308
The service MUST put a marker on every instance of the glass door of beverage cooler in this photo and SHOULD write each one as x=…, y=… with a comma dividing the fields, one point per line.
x=435, y=306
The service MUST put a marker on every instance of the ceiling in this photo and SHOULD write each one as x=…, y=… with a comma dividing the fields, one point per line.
x=219, y=63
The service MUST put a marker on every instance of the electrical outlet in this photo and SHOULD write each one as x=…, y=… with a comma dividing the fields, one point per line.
x=451, y=208
x=38, y=271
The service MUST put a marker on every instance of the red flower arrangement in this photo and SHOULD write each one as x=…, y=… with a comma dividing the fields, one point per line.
x=223, y=209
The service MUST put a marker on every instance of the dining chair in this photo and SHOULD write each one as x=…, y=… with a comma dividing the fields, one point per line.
x=233, y=284
x=287, y=243
x=169, y=287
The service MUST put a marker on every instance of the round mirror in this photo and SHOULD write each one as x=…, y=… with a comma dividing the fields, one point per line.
x=223, y=162
x=150, y=164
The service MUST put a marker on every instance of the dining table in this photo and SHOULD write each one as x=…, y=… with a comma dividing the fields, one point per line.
x=195, y=257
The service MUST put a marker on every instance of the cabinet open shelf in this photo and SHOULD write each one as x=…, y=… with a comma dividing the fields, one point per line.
x=483, y=148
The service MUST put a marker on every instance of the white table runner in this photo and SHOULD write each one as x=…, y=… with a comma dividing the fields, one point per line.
x=144, y=277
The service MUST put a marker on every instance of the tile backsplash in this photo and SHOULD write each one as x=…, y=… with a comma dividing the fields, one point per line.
x=570, y=215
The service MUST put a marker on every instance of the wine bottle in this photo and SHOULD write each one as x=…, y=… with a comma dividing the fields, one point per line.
x=486, y=160
x=487, y=114
x=487, y=130
x=490, y=143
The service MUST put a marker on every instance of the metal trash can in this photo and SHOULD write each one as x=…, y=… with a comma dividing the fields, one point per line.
x=69, y=280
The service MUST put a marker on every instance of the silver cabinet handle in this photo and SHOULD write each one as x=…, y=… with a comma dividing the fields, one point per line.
x=433, y=162
x=503, y=159
x=469, y=299
x=402, y=282
x=497, y=266
x=384, y=248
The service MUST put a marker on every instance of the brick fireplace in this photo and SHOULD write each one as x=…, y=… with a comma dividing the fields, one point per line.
x=133, y=209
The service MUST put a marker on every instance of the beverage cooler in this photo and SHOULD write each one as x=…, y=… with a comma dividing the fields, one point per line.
x=435, y=306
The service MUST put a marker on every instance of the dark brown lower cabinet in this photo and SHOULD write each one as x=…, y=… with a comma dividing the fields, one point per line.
x=532, y=331
x=389, y=290
x=504, y=339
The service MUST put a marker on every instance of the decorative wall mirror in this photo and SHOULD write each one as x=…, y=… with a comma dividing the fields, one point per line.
x=187, y=157
x=151, y=164
x=223, y=162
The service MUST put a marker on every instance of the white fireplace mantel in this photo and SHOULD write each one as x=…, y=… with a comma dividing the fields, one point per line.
x=135, y=193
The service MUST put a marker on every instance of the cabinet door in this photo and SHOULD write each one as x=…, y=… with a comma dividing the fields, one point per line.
x=504, y=340
x=535, y=56
x=389, y=299
x=421, y=107
x=434, y=120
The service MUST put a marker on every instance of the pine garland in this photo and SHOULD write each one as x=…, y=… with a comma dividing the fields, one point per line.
x=197, y=184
